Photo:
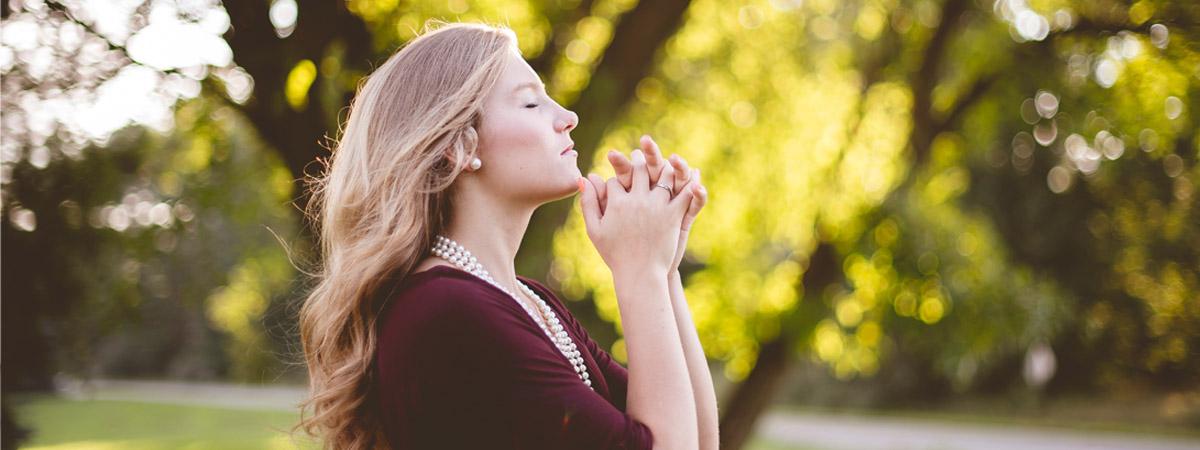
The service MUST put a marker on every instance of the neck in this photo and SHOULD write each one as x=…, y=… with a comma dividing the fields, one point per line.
x=492, y=231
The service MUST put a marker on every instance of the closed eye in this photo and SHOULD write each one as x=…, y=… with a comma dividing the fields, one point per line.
x=531, y=105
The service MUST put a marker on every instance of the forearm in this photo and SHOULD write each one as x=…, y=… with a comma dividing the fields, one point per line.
x=660, y=391
x=701, y=379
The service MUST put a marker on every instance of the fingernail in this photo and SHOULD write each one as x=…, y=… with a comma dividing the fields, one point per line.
x=638, y=156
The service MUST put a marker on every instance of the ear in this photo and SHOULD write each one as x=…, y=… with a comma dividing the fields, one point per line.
x=464, y=142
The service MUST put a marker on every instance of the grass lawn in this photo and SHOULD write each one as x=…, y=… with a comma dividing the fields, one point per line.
x=61, y=424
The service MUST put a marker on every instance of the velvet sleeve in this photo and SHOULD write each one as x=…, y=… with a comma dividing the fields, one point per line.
x=548, y=405
x=616, y=375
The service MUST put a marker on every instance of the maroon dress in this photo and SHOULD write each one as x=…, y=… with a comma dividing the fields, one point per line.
x=460, y=365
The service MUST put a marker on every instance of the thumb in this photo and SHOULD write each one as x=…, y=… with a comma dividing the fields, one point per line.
x=601, y=190
x=589, y=204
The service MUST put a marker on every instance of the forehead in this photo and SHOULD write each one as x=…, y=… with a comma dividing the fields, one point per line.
x=518, y=76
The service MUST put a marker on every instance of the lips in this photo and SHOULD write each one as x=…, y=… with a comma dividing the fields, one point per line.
x=569, y=148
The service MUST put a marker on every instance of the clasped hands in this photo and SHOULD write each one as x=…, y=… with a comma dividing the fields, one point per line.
x=635, y=224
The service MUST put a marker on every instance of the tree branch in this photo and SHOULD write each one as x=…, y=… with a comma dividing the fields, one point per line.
x=968, y=99
x=54, y=5
x=926, y=79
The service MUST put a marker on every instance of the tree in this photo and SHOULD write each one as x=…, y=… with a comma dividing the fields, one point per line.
x=819, y=171
x=898, y=186
x=338, y=36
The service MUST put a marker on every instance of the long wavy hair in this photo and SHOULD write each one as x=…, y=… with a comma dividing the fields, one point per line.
x=383, y=195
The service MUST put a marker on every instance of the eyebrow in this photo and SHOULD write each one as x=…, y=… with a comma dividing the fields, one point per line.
x=529, y=85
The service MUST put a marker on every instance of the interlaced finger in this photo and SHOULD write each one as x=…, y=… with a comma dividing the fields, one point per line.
x=665, y=183
x=684, y=172
x=655, y=160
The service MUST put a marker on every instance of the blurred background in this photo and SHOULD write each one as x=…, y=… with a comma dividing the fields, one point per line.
x=932, y=224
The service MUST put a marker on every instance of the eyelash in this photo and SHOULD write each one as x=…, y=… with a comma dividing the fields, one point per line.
x=531, y=104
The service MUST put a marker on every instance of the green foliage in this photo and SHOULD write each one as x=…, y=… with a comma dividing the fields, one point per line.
x=990, y=180
x=137, y=240
x=940, y=260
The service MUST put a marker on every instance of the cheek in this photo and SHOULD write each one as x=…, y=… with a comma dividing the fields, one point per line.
x=511, y=133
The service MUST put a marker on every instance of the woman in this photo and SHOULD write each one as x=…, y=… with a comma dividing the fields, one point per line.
x=419, y=333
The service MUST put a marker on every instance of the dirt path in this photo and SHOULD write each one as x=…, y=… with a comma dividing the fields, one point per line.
x=831, y=431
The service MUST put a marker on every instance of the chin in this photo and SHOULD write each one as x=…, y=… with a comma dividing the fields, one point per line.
x=567, y=187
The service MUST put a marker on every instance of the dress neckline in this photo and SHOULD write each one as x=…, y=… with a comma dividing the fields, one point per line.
x=461, y=272
x=436, y=267
x=546, y=296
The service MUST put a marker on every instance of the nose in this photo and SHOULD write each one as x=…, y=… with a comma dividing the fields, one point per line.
x=567, y=123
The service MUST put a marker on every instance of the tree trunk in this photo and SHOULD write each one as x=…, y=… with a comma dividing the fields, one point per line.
x=297, y=136
x=754, y=396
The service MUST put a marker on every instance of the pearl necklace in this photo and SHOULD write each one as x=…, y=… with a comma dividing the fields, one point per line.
x=451, y=251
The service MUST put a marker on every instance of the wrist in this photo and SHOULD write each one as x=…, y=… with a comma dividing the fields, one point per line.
x=642, y=273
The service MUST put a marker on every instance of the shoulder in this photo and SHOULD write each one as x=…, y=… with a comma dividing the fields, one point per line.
x=450, y=314
x=445, y=284
x=441, y=294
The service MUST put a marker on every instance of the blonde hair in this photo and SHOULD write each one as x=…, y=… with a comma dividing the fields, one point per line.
x=384, y=195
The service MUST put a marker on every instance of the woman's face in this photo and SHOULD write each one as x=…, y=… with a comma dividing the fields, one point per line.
x=522, y=136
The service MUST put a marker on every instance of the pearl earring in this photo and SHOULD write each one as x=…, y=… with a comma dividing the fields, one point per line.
x=476, y=164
